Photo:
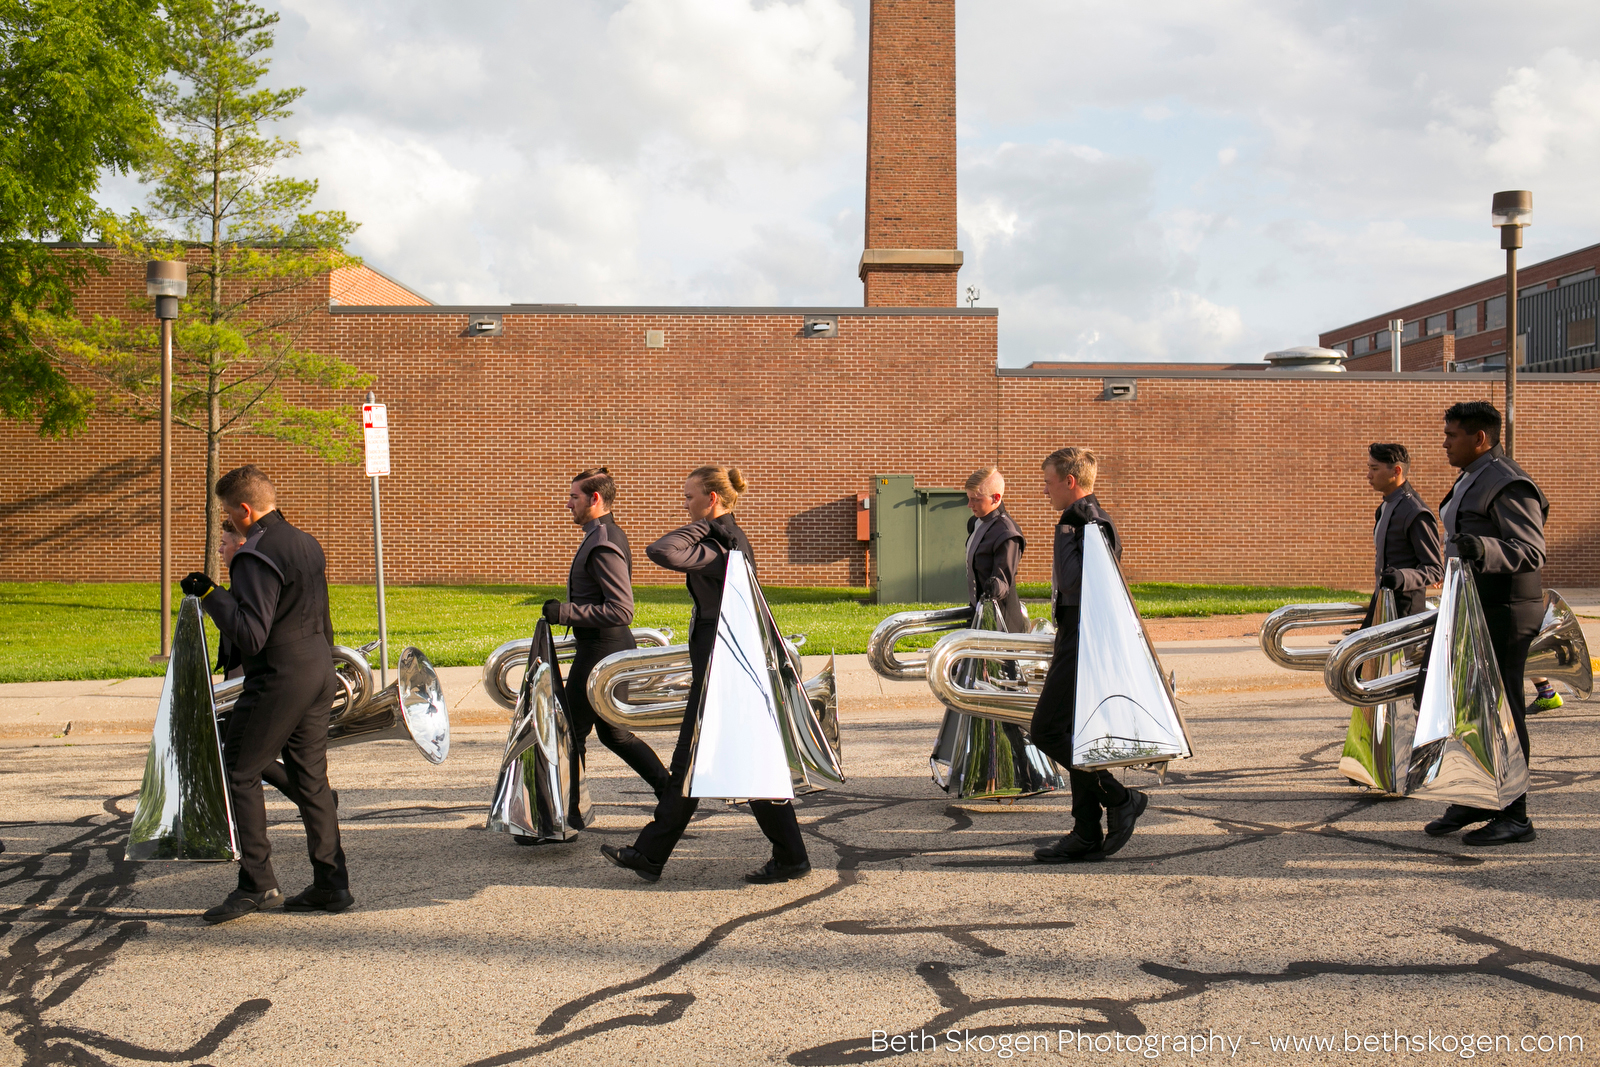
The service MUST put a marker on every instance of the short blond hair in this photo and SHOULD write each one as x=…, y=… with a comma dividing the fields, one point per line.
x=977, y=479
x=1072, y=461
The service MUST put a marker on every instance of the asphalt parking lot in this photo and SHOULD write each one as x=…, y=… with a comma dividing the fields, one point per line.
x=1262, y=902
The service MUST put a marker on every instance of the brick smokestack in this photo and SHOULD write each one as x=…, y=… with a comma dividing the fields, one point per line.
x=911, y=258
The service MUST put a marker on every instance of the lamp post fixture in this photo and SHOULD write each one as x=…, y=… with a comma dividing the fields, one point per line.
x=167, y=281
x=1512, y=210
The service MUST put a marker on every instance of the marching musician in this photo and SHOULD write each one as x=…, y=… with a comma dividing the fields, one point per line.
x=1069, y=480
x=599, y=608
x=700, y=551
x=276, y=615
x=1494, y=521
x=994, y=548
x=1405, y=535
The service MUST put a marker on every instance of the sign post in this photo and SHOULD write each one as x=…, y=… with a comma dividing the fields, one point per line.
x=375, y=424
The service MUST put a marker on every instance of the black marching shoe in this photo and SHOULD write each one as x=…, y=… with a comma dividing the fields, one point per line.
x=1502, y=831
x=773, y=871
x=1454, y=818
x=1120, y=820
x=313, y=899
x=240, y=903
x=630, y=858
x=1070, y=849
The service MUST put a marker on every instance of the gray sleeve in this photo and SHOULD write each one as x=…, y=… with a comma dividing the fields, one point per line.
x=1424, y=535
x=243, y=614
x=686, y=549
x=609, y=571
x=1520, y=546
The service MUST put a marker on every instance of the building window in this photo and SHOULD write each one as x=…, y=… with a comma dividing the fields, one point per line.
x=1363, y=345
x=1411, y=331
x=1494, y=313
x=1381, y=344
x=1343, y=347
x=1529, y=290
x=1581, y=276
x=1580, y=333
x=1467, y=320
x=1434, y=325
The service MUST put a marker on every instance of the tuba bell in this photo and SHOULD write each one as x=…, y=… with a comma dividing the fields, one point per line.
x=1126, y=712
x=512, y=656
x=185, y=811
x=412, y=708
x=536, y=798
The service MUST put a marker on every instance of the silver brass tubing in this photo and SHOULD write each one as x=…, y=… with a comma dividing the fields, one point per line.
x=513, y=656
x=657, y=686
x=1342, y=673
x=906, y=624
x=1304, y=617
x=1007, y=705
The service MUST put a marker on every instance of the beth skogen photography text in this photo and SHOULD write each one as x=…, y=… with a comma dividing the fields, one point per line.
x=798, y=532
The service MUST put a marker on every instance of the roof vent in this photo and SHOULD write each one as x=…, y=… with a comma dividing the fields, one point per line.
x=1307, y=357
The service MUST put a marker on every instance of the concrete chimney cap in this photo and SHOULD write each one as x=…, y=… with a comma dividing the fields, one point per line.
x=1307, y=357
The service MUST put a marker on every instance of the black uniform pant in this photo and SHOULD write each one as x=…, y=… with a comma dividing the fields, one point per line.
x=674, y=810
x=1052, y=729
x=283, y=711
x=1512, y=628
x=594, y=646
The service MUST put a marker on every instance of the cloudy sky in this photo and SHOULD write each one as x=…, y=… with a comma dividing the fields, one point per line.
x=1172, y=179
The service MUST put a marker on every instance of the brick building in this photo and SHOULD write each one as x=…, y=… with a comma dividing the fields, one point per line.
x=1465, y=329
x=1233, y=473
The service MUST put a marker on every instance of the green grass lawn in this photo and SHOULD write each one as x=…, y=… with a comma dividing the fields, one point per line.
x=51, y=630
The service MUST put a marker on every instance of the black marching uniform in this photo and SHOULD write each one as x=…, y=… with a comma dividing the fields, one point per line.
x=1494, y=500
x=230, y=664
x=1053, y=718
x=1405, y=540
x=994, y=547
x=700, y=551
x=276, y=615
x=599, y=608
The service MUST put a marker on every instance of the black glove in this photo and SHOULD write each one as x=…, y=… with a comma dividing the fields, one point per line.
x=1389, y=579
x=991, y=589
x=720, y=536
x=196, y=584
x=552, y=612
x=1468, y=546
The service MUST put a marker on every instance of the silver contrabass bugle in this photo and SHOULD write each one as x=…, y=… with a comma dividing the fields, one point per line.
x=902, y=626
x=512, y=657
x=1558, y=652
x=1012, y=703
x=1293, y=617
x=648, y=688
x=412, y=707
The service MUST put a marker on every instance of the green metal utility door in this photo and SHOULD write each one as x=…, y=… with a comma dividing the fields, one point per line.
x=919, y=540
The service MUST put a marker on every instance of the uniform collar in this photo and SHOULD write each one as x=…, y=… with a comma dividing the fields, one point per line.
x=1082, y=512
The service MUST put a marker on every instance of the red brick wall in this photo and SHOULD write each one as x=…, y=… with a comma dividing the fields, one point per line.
x=1261, y=479
x=911, y=148
x=365, y=286
x=1254, y=478
x=1431, y=353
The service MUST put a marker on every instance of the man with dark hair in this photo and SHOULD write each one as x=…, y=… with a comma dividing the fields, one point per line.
x=1405, y=535
x=1494, y=521
x=276, y=615
x=1069, y=480
x=599, y=608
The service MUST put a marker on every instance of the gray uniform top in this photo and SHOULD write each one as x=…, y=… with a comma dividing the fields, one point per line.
x=1406, y=540
x=1494, y=499
x=994, y=548
x=600, y=583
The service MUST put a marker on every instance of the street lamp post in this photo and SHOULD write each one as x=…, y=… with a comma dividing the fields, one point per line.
x=167, y=281
x=1512, y=210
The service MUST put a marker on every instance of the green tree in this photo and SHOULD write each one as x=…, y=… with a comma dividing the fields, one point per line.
x=76, y=83
x=255, y=250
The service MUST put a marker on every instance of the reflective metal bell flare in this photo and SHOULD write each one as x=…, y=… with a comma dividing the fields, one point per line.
x=758, y=735
x=184, y=810
x=535, y=795
x=981, y=758
x=1126, y=714
x=1377, y=746
x=1559, y=651
x=1466, y=749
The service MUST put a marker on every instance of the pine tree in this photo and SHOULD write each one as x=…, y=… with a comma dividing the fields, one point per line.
x=255, y=247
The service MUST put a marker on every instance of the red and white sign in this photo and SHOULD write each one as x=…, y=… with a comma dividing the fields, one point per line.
x=375, y=422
